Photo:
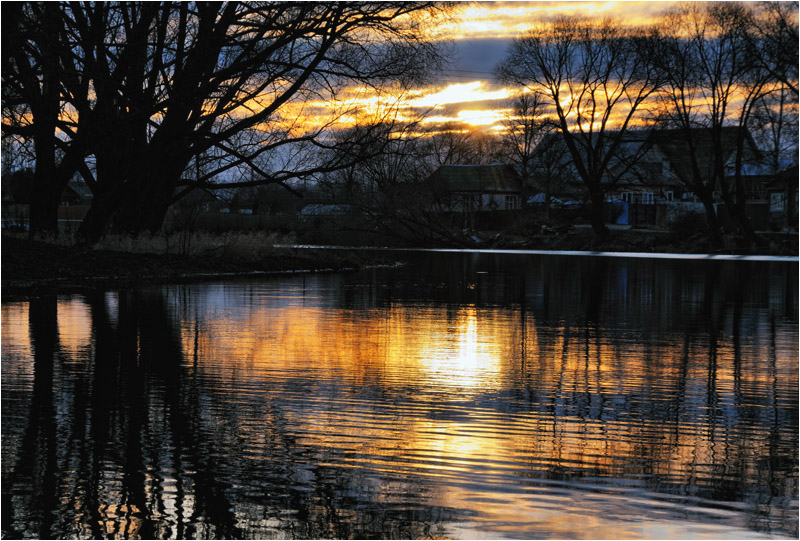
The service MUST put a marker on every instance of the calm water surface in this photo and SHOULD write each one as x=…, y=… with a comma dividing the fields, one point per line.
x=464, y=396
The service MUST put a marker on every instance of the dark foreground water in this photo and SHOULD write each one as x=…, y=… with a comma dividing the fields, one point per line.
x=466, y=396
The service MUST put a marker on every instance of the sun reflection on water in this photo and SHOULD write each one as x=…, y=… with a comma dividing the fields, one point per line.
x=283, y=404
x=462, y=358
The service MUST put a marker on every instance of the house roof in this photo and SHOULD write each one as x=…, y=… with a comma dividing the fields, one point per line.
x=17, y=187
x=675, y=146
x=316, y=209
x=786, y=178
x=642, y=146
x=476, y=178
x=78, y=189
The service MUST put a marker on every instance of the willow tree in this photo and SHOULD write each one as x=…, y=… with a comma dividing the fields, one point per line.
x=595, y=76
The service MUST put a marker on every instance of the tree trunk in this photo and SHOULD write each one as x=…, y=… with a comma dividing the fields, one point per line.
x=597, y=214
x=712, y=223
x=734, y=200
x=744, y=222
x=141, y=203
x=43, y=206
x=97, y=221
x=45, y=193
x=741, y=208
x=153, y=186
x=132, y=214
x=548, y=201
x=735, y=205
x=49, y=179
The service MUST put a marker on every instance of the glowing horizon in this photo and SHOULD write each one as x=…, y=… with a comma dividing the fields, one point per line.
x=477, y=102
x=467, y=95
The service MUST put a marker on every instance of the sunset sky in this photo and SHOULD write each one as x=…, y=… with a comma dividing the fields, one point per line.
x=480, y=33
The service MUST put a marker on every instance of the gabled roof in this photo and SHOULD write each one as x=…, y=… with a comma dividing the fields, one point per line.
x=786, y=178
x=318, y=209
x=672, y=144
x=675, y=146
x=476, y=178
x=17, y=187
x=78, y=189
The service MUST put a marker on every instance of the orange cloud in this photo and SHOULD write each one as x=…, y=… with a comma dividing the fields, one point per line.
x=509, y=19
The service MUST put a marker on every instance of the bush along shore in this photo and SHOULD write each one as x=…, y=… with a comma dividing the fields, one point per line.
x=30, y=267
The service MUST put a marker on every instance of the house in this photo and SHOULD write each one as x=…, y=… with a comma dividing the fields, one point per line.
x=647, y=189
x=77, y=192
x=653, y=166
x=754, y=173
x=327, y=216
x=638, y=176
x=75, y=202
x=651, y=169
x=553, y=181
x=642, y=172
x=476, y=188
x=782, y=197
x=674, y=145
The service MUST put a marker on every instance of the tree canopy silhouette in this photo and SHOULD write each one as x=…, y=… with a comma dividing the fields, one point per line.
x=134, y=95
x=596, y=78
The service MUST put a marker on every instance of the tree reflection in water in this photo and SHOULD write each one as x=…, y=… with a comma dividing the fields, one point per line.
x=456, y=395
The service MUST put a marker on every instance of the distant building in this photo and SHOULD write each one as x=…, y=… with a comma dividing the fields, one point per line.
x=783, y=199
x=650, y=168
x=77, y=192
x=16, y=194
x=674, y=146
x=477, y=188
x=316, y=210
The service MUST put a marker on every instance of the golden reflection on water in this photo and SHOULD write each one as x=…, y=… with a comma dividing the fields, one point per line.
x=519, y=422
x=465, y=360
x=447, y=357
x=15, y=330
x=74, y=327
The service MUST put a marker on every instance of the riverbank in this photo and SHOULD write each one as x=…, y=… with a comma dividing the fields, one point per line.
x=34, y=267
x=625, y=239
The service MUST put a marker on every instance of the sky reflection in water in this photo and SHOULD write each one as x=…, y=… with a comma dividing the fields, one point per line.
x=460, y=396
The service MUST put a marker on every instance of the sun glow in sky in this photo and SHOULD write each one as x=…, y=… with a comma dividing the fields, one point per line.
x=467, y=92
x=466, y=95
x=460, y=93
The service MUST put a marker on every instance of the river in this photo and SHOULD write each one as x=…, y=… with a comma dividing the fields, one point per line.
x=456, y=396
